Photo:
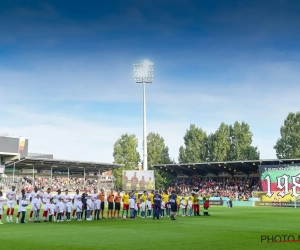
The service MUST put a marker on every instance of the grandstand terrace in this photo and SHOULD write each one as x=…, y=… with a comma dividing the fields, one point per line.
x=221, y=169
x=57, y=173
x=236, y=179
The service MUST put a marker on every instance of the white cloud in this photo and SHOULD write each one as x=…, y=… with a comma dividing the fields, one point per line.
x=67, y=137
x=34, y=105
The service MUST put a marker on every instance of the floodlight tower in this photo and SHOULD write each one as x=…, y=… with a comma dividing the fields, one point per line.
x=143, y=73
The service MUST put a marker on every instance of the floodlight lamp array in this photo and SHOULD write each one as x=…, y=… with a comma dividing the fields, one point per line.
x=143, y=72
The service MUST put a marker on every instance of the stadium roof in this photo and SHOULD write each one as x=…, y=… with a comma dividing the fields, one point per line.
x=230, y=167
x=62, y=165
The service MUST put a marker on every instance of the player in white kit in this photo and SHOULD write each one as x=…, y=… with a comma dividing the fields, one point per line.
x=76, y=197
x=78, y=208
x=33, y=196
x=94, y=198
x=1, y=206
x=46, y=201
x=97, y=208
x=56, y=201
x=24, y=205
x=11, y=196
x=68, y=205
x=51, y=208
x=37, y=203
x=60, y=209
x=89, y=207
x=19, y=201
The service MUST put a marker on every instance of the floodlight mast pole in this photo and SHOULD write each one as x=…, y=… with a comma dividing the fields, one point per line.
x=143, y=73
x=145, y=156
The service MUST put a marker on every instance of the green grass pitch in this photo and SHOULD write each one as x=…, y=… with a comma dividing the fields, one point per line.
x=236, y=228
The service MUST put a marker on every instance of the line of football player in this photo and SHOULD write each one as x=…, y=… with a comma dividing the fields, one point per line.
x=65, y=207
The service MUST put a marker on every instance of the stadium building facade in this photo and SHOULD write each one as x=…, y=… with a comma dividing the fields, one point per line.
x=12, y=149
x=16, y=161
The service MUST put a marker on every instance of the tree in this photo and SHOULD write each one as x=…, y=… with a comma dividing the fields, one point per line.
x=194, y=149
x=125, y=152
x=228, y=143
x=210, y=144
x=288, y=146
x=158, y=153
x=165, y=157
x=241, y=140
x=222, y=143
x=155, y=148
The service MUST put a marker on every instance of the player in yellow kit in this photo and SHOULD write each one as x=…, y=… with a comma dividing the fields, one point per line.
x=137, y=201
x=144, y=196
x=185, y=199
x=125, y=199
x=192, y=200
x=178, y=204
x=165, y=197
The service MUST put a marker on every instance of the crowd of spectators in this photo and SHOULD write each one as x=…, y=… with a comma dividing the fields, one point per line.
x=239, y=187
x=55, y=183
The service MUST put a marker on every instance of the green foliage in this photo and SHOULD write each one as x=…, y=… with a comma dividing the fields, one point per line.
x=155, y=147
x=241, y=140
x=125, y=152
x=158, y=153
x=194, y=149
x=221, y=145
x=228, y=143
x=288, y=146
x=210, y=145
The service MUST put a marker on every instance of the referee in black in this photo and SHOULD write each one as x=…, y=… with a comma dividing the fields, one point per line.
x=157, y=205
x=83, y=199
x=173, y=204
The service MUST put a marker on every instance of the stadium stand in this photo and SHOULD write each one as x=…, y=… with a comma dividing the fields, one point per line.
x=55, y=183
x=239, y=187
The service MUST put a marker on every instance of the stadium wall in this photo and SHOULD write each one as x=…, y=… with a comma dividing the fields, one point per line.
x=12, y=145
x=240, y=204
x=234, y=203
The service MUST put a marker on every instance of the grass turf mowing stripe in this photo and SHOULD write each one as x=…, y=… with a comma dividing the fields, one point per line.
x=236, y=228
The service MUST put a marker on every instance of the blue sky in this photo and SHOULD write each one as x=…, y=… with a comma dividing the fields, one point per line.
x=66, y=71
